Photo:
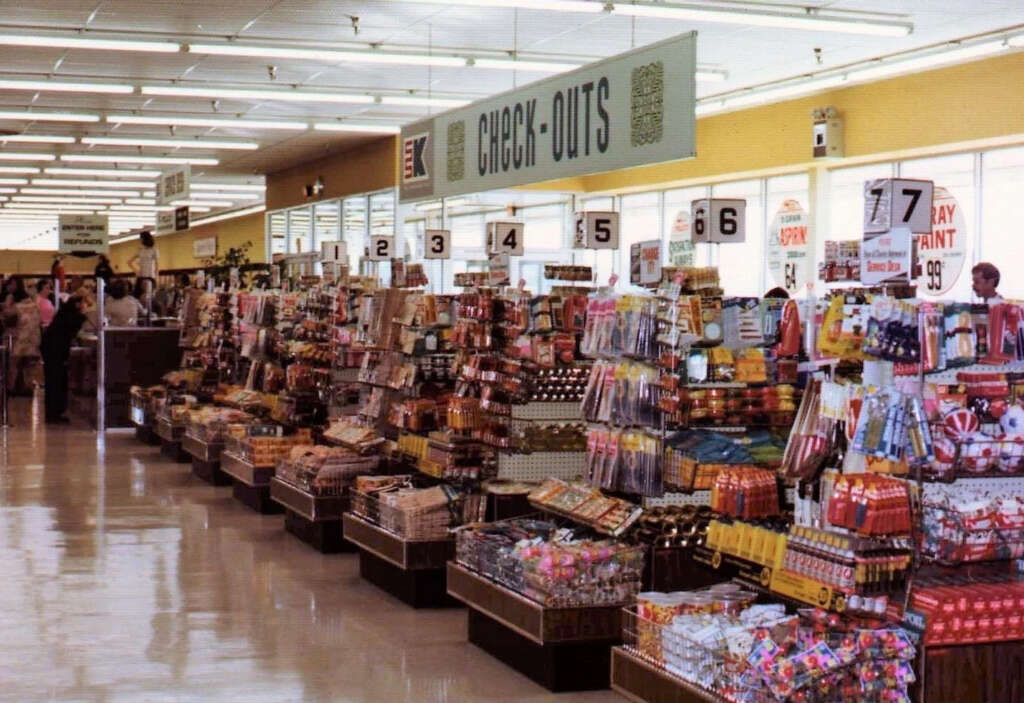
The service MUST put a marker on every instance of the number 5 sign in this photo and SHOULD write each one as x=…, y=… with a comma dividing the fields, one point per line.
x=898, y=202
x=602, y=230
x=505, y=238
x=718, y=220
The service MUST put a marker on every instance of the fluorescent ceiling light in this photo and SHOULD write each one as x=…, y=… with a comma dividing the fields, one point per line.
x=711, y=75
x=18, y=169
x=762, y=18
x=210, y=203
x=228, y=186
x=25, y=156
x=80, y=191
x=47, y=116
x=356, y=127
x=87, y=183
x=37, y=139
x=13, y=181
x=134, y=208
x=18, y=210
x=230, y=215
x=224, y=196
x=888, y=68
x=120, y=158
x=556, y=5
x=140, y=201
x=232, y=93
x=285, y=52
x=48, y=199
x=511, y=64
x=102, y=172
x=1016, y=41
x=755, y=97
x=422, y=101
x=65, y=87
x=171, y=143
x=225, y=122
x=58, y=42
x=8, y=190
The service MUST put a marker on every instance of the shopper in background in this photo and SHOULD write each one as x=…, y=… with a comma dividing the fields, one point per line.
x=56, y=349
x=121, y=309
x=985, y=281
x=104, y=270
x=44, y=300
x=146, y=262
x=57, y=271
x=23, y=372
x=777, y=292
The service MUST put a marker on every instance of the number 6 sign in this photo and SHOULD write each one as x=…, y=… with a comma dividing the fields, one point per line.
x=718, y=220
x=898, y=202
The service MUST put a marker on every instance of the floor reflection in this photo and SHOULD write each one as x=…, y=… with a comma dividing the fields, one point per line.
x=126, y=579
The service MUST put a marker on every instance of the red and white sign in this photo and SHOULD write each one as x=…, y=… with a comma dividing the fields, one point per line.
x=943, y=251
x=414, y=163
x=680, y=247
x=886, y=257
x=645, y=263
x=789, y=260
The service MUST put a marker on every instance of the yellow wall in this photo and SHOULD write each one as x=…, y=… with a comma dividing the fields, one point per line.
x=372, y=166
x=931, y=111
x=175, y=250
x=38, y=262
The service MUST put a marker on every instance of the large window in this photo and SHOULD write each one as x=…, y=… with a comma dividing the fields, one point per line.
x=300, y=230
x=1002, y=210
x=640, y=221
x=741, y=266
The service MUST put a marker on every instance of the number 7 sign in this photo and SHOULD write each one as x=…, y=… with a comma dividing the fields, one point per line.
x=898, y=202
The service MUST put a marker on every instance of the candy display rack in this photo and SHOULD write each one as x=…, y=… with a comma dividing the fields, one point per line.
x=251, y=483
x=170, y=435
x=205, y=459
x=562, y=649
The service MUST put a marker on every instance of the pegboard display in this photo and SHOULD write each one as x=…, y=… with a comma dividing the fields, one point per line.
x=548, y=411
x=695, y=498
x=997, y=486
x=541, y=465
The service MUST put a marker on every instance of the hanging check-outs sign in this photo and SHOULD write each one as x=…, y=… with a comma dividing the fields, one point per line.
x=629, y=110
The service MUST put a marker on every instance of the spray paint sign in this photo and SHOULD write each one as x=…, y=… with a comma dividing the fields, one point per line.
x=789, y=261
x=942, y=251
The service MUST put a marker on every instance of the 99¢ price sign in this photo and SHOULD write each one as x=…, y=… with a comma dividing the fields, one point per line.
x=718, y=220
x=505, y=238
x=437, y=244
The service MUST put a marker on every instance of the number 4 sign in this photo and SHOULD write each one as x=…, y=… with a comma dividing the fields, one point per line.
x=718, y=220
x=437, y=244
x=505, y=238
x=898, y=202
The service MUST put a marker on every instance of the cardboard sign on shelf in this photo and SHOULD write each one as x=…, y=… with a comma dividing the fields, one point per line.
x=86, y=234
x=499, y=269
x=897, y=202
x=943, y=251
x=886, y=258
x=505, y=238
x=718, y=220
x=437, y=244
x=680, y=247
x=645, y=263
x=382, y=247
x=789, y=260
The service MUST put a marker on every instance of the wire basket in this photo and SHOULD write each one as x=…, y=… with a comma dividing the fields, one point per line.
x=951, y=536
x=424, y=523
x=977, y=455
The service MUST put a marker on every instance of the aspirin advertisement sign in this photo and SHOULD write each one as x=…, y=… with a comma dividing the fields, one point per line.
x=789, y=261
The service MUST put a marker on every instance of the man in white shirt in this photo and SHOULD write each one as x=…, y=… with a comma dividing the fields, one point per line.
x=985, y=281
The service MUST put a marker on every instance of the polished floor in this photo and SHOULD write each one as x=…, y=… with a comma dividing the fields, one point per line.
x=123, y=578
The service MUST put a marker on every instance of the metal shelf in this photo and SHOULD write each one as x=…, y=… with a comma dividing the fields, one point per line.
x=548, y=411
x=408, y=555
x=541, y=465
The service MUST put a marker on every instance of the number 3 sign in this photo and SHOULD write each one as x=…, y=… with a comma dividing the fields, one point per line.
x=898, y=202
x=718, y=220
x=437, y=244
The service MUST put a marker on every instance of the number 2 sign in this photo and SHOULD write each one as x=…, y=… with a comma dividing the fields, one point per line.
x=898, y=202
x=505, y=238
x=382, y=247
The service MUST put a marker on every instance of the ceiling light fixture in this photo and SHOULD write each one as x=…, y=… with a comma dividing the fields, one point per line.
x=243, y=94
x=80, y=200
x=36, y=139
x=80, y=191
x=175, y=121
x=284, y=52
x=86, y=183
x=18, y=169
x=884, y=69
x=65, y=87
x=228, y=186
x=209, y=203
x=171, y=143
x=13, y=181
x=230, y=215
x=47, y=116
x=356, y=127
x=702, y=13
x=25, y=156
x=102, y=172
x=120, y=158
x=58, y=42
x=422, y=101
